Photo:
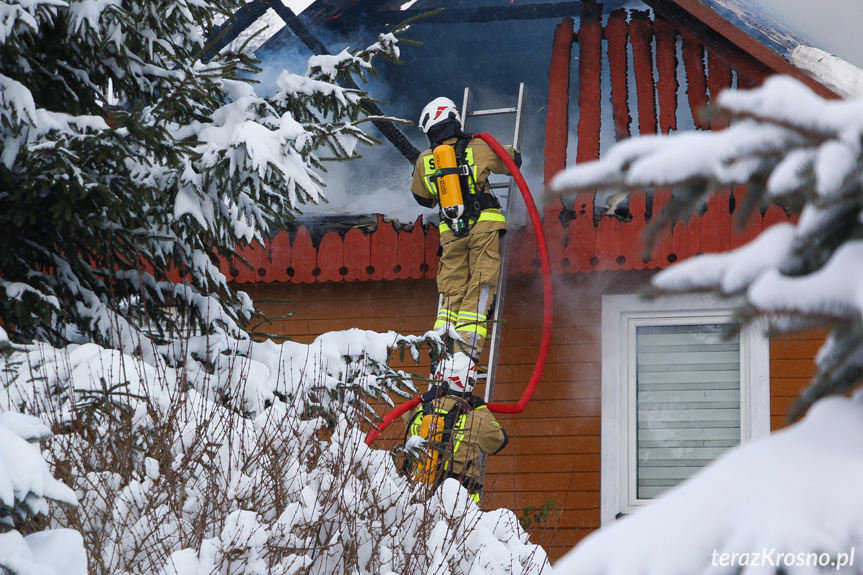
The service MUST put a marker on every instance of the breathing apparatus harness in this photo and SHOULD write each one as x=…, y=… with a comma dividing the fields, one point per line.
x=453, y=175
x=437, y=428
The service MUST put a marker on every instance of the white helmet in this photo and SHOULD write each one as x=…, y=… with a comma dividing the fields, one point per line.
x=459, y=370
x=437, y=111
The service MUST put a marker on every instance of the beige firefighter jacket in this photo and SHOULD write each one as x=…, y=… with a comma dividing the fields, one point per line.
x=475, y=432
x=484, y=161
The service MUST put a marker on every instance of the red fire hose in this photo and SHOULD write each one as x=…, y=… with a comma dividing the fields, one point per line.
x=545, y=268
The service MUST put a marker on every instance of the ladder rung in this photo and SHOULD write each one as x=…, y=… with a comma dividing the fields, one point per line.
x=492, y=112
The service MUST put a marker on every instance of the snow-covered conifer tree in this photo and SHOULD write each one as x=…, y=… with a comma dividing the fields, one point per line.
x=787, y=145
x=130, y=165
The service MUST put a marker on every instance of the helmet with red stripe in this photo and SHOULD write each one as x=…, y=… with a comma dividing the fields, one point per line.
x=438, y=111
x=459, y=370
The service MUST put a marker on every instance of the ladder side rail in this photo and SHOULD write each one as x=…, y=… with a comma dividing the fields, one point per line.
x=500, y=298
x=505, y=248
x=466, y=104
x=508, y=197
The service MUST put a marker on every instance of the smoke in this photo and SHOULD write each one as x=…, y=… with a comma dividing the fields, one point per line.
x=490, y=58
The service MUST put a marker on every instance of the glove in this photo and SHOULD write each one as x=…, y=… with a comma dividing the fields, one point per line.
x=517, y=159
x=414, y=445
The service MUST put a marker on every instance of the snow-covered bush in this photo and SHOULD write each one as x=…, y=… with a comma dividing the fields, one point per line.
x=175, y=476
x=788, y=145
x=26, y=485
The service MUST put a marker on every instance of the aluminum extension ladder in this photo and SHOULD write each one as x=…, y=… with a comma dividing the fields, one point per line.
x=509, y=205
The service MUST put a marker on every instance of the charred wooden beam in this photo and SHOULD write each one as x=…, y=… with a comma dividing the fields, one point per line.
x=255, y=9
x=232, y=27
x=483, y=14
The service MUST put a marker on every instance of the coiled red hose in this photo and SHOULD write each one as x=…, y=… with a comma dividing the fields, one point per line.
x=547, y=297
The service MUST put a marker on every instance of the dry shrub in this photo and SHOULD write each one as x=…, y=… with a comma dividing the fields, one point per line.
x=176, y=475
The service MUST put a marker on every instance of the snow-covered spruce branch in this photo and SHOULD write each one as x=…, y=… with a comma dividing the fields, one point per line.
x=787, y=145
x=27, y=486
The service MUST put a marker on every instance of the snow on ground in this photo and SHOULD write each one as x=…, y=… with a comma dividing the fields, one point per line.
x=788, y=503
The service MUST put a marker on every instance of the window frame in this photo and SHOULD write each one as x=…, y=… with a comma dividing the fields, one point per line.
x=621, y=314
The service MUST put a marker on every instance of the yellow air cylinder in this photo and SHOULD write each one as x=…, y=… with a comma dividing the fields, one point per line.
x=448, y=185
x=431, y=428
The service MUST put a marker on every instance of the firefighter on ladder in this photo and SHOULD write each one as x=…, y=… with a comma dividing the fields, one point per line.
x=471, y=221
x=446, y=433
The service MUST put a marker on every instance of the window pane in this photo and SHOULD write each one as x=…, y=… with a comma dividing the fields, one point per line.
x=687, y=401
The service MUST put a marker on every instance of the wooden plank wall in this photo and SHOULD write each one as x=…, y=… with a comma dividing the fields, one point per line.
x=792, y=365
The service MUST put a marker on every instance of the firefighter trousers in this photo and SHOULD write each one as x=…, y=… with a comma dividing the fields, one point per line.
x=467, y=280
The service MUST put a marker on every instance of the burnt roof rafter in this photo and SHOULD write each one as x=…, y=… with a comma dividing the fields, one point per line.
x=483, y=13
x=247, y=15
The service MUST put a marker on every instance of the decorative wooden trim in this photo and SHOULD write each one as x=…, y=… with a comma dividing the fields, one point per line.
x=616, y=36
x=693, y=62
x=641, y=36
x=719, y=78
x=557, y=116
x=357, y=256
x=330, y=259
x=581, y=247
x=666, y=68
x=590, y=84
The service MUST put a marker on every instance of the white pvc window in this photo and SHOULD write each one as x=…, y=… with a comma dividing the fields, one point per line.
x=680, y=388
x=687, y=402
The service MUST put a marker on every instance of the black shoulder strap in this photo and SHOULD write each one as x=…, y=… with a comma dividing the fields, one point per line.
x=428, y=408
x=453, y=414
x=461, y=145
